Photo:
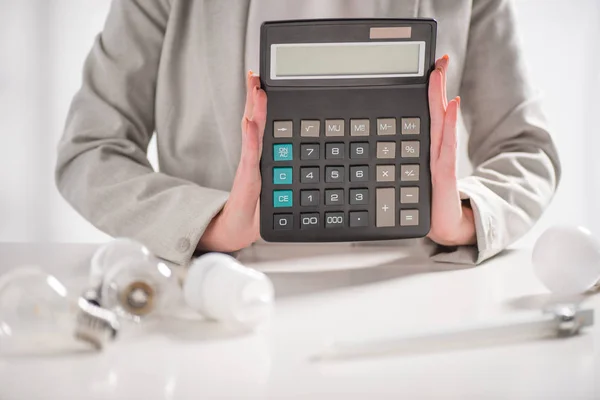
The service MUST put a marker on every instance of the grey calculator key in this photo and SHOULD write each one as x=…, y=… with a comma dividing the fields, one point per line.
x=409, y=172
x=359, y=150
x=335, y=220
x=309, y=198
x=309, y=152
x=334, y=127
x=334, y=197
x=410, y=149
x=334, y=151
x=386, y=207
x=409, y=217
x=309, y=175
x=310, y=128
x=409, y=195
x=411, y=126
x=282, y=129
x=359, y=127
x=359, y=219
x=359, y=196
x=309, y=220
x=386, y=150
x=282, y=222
x=334, y=174
x=359, y=173
x=386, y=173
x=386, y=126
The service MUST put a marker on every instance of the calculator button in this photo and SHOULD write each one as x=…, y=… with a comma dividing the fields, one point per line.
x=309, y=220
x=409, y=172
x=386, y=126
x=310, y=128
x=410, y=149
x=334, y=151
x=334, y=127
x=309, y=152
x=282, y=129
x=359, y=196
x=309, y=175
x=334, y=197
x=359, y=219
x=334, y=220
x=282, y=176
x=386, y=173
x=359, y=127
x=411, y=126
x=282, y=222
x=409, y=195
x=386, y=150
x=359, y=173
x=283, y=152
x=386, y=207
x=409, y=217
x=282, y=198
x=359, y=150
x=334, y=174
x=309, y=198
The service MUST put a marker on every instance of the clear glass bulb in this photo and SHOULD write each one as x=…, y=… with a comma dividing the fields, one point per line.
x=133, y=283
x=567, y=260
x=38, y=315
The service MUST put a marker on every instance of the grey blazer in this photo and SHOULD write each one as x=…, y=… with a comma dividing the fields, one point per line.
x=176, y=68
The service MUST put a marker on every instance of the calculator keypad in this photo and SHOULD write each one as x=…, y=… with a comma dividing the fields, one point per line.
x=352, y=173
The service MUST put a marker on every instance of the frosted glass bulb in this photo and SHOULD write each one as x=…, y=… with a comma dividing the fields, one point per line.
x=567, y=259
x=133, y=283
x=220, y=288
x=39, y=316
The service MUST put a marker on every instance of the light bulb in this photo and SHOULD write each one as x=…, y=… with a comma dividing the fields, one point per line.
x=221, y=288
x=113, y=252
x=567, y=260
x=133, y=283
x=38, y=315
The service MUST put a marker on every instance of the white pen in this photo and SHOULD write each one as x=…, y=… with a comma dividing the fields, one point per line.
x=561, y=321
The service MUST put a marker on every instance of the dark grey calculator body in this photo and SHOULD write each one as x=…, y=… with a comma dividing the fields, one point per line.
x=346, y=144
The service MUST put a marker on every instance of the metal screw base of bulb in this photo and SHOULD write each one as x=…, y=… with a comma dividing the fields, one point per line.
x=138, y=298
x=95, y=325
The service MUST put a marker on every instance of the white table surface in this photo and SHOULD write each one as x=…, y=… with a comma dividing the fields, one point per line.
x=324, y=293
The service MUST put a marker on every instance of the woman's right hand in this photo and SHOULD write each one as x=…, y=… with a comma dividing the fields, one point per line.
x=238, y=224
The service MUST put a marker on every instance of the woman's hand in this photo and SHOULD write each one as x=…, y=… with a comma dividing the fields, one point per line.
x=237, y=225
x=452, y=224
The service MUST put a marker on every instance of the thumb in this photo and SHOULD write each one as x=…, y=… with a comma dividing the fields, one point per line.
x=246, y=184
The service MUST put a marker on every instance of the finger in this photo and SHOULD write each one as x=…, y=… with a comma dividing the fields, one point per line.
x=259, y=116
x=246, y=185
x=437, y=112
x=252, y=82
x=446, y=164
x=442, y=63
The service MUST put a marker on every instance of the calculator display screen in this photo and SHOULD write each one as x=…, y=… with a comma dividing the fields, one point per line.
x=347, y=60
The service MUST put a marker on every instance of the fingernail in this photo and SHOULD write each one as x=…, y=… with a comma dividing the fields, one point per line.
x=446, y=57
x=458, y=101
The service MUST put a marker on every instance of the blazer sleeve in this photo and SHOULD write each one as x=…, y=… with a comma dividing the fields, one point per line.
x=516, y=165
x=102, y=168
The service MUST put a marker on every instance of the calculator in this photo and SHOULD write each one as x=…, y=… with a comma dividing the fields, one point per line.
x=346, y=145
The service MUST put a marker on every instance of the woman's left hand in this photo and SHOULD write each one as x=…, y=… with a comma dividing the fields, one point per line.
x=452, y=224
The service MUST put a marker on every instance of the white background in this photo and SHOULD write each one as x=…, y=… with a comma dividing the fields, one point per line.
x=43, y=44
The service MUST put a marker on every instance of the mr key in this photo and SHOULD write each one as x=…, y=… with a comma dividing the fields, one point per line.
x=346, y=147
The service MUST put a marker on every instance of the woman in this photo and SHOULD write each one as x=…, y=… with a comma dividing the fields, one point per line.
x=176, y=67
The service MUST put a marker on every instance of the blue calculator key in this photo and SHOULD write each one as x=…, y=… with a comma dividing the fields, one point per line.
x=283, y=152
x=282, y=198
x=282, y=176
